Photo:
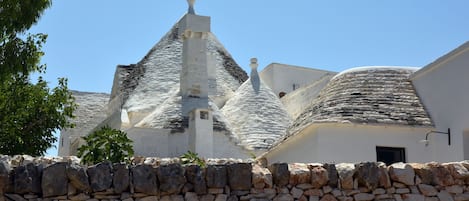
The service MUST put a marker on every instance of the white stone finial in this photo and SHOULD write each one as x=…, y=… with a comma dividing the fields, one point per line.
x=191, y=6
x=254, y=64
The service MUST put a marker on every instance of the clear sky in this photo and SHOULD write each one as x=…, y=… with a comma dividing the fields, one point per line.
x=88, y=38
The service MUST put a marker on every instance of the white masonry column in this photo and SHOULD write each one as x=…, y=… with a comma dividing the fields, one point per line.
x=194, y=81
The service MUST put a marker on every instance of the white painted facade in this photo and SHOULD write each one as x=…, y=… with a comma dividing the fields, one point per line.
x=443, y=87
x=328, y=143
x=287, y=78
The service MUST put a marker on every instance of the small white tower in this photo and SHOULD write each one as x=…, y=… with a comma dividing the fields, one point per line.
x=194, y=80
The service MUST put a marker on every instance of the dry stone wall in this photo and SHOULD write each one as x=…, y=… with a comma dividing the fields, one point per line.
x=33, y=179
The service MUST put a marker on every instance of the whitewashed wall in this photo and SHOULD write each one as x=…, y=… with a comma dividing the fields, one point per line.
x=281, y=77
x=355, y=143
x=443, y=87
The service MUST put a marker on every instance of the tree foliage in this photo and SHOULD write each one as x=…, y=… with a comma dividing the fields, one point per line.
x=192, y=158
x=106, y=144
x=29, y=113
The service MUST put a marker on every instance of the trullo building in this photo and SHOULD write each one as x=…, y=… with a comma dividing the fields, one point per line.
x=188, y=93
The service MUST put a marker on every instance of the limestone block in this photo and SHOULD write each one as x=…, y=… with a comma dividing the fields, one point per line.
x=27, y=179
x=78, y=177
x=148, y=198
x=239, y=176
x=454, y=189
x=54, y=180
x=144, y=180
x=100, y=176
x=328, y=197
x=15, y=197
x=216, y=176
x=171, y=178
x=233, y=198
x=427, y=190
x=280, y=174
x=333, y=175
x=363, y=197
x=367, y=174
x=461, y=197
x=79, y=197
x=458, y=170
x=221, y=197
x=4, y=175
x=261, y=177
x=191, y=196
x=121, y=178
x=413, y=197
x=299, y=173
x=441, y=175
x=296, y=192
x=384, y=180
x=346, y=172
x=313, y=198
x=283, y=197
x=196, y=176
x=319, y=177
x=444, y=195
x=314, y=192
x=208, y=197
x=423, y=171
x=403, y=173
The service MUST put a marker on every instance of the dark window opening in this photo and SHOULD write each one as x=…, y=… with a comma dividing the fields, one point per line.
x=390, y=155
x=203, y=115
x=281, y=94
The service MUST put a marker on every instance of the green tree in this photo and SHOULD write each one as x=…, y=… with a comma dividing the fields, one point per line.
x=106, y=144
x=29, y=113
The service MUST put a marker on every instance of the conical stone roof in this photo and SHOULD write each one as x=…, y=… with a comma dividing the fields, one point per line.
x=367, y=95
x=149, y=87
x=256, y=115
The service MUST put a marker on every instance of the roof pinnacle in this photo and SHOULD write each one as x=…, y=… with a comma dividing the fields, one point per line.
x=191, y=6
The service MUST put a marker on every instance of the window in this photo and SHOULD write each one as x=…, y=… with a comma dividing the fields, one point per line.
x=203, y=115
x=390, y=155
x=295, y=86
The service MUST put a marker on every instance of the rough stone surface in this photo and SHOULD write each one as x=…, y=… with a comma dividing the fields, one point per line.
x=257, y=116
x=299, y=174
x=4, y=175
x=280, y=173
x=100, y=176
x=441, y=175
x=333, y=175
x=443, y=195
x=216, y=176
x=144, y=179
x=121, y=178
x=54, y=180
x=328, y=197
x=196, y=176
x=363, y=197
x=384, y=180
x=27, y=179
x=239, y=176
x=346, y=172
x=424, y=172
x=366, y=96
x=458, y=171
x=427, y=190
x=403, y=173
x=413, y=197
x=171, y=178
x=319, y=177
x=367, y=175
x=78, y=177
x=261, y=177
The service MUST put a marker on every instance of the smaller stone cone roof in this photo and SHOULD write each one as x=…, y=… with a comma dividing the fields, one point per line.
x=256, y=115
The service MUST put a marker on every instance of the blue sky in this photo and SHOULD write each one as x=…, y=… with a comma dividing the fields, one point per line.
x=88, y=38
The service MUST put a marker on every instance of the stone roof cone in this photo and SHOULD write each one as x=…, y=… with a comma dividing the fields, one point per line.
x=148, y=89
x=258, y=118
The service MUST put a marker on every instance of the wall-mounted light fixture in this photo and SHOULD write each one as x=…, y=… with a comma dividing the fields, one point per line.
x=426, y=141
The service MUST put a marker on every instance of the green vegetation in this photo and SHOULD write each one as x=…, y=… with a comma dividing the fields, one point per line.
x=192, y=158
x=106, y=144
x=29, y=113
